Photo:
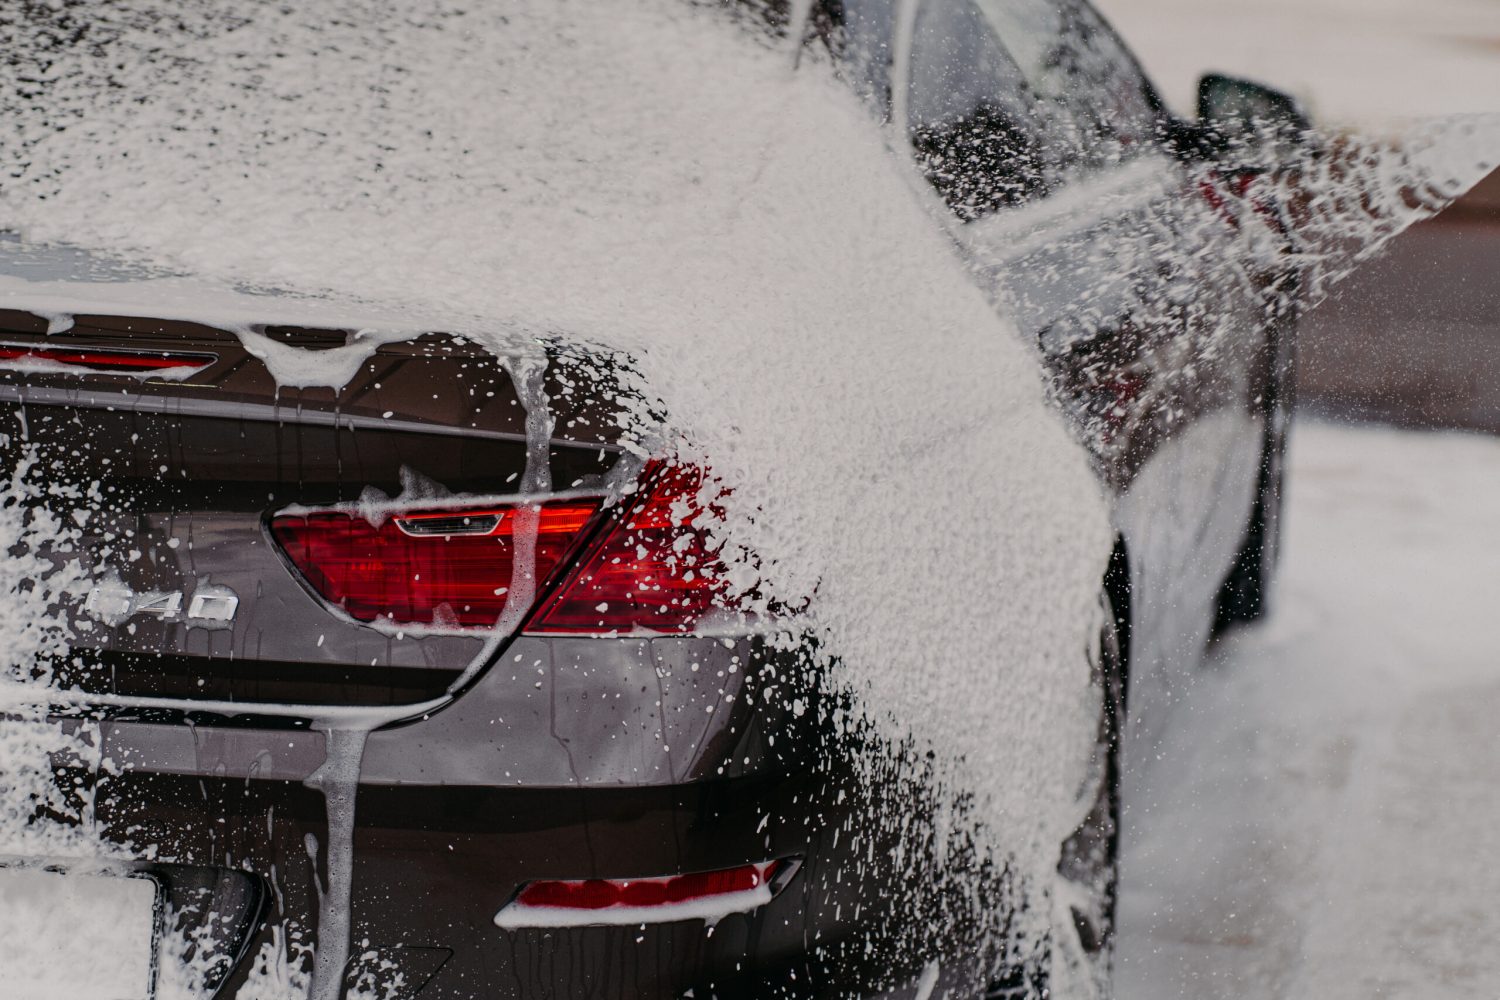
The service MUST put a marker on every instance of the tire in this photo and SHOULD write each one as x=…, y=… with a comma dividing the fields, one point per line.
x=1080, y=948
x=1245, y=593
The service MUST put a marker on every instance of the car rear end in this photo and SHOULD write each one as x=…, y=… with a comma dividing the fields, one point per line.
x=424, y=684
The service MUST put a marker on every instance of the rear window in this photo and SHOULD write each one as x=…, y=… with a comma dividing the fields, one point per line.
x=1072, y=61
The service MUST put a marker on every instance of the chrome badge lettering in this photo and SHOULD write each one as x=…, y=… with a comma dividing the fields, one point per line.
x=113, y=602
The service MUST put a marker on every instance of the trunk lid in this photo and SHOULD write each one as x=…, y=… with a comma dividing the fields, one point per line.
x=190, y=446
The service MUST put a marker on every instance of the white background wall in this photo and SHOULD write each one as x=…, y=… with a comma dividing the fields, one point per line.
x=1362, y=61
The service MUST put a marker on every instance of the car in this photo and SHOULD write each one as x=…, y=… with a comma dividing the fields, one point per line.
x=426, y=685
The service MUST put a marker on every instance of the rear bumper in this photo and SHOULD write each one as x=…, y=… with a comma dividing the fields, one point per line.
x=433, y=866
x=567, y=759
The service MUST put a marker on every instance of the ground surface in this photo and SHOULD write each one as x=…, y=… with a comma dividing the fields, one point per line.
x=1323, y=819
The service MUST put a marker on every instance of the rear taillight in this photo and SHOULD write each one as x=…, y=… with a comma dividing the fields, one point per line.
x=649, y=570
x=702, y=895
x=113, y=362
x=434, y=568
x=653, y=571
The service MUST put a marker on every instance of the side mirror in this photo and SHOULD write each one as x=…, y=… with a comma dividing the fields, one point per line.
x=1239, y=113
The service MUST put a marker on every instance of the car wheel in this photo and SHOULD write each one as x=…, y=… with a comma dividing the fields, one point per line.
x=1080, y=947
x=1245, y=594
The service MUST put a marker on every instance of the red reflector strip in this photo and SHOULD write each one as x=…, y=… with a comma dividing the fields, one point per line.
x=113, y=361
x=441, y=569
x=700, y=895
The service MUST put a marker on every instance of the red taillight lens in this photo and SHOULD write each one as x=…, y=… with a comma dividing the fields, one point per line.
x=702, y=895
x=99, y=360
x=439, y=568
x=653, y=571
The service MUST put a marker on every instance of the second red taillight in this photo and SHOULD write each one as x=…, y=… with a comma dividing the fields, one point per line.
x=653, y=571
x=643, y=566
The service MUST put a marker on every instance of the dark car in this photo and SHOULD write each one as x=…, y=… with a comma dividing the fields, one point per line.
x=353, y=778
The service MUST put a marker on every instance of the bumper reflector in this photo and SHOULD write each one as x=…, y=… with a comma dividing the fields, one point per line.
x=706, y=896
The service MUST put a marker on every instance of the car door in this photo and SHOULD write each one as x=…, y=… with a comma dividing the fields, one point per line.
x=1132, y=272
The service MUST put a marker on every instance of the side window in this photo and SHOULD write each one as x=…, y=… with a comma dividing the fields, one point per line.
x=1096, y=99
x=969, y=112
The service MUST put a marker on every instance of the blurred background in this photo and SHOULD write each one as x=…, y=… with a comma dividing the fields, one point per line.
x=1369, y=61
x=1414, y=337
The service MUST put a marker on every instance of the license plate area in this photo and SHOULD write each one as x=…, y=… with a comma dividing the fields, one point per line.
x=78, y=935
